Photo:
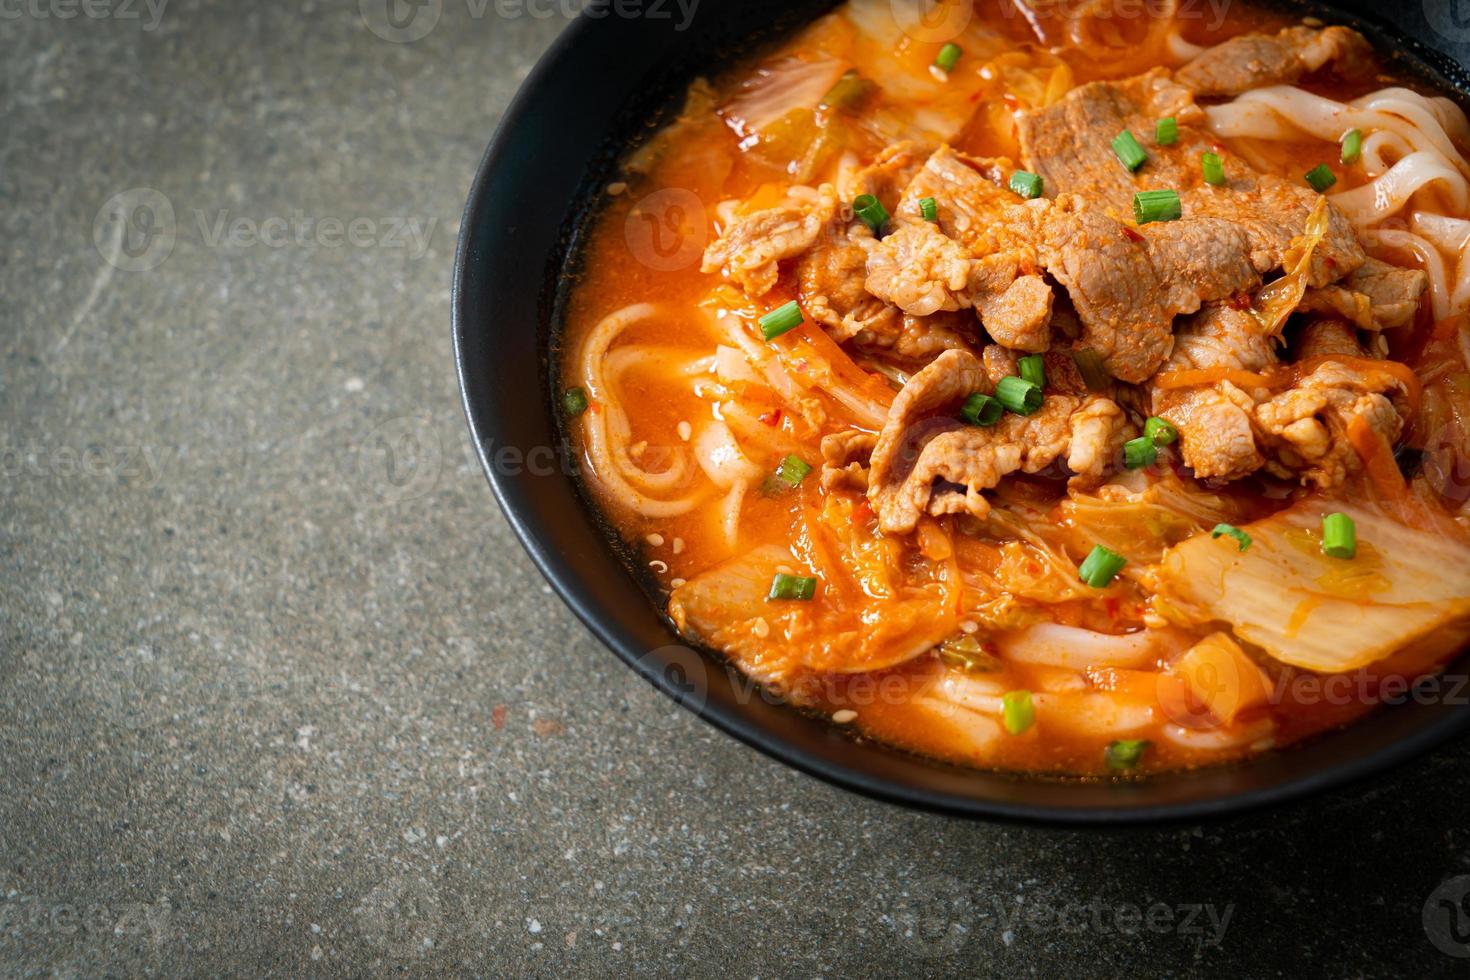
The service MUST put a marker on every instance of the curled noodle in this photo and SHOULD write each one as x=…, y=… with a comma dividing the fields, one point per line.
x=606, y=429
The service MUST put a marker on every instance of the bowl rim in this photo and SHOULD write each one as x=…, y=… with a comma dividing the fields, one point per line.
x=564, y=578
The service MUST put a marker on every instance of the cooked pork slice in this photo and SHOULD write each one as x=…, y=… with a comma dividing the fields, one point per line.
x=919, y=270
x=1216, y=422
x=1327, y=338
x=830, y=285
x=752, y=246
x=1306, y=427
x=1066, y=143
x=888, y=174
x=1062, y=374
x=1253, y=60
x=1105, y=267
x=1012, y=300
x=921, y=337
x=845, y=459
x=1375, y=297
x=928, y=463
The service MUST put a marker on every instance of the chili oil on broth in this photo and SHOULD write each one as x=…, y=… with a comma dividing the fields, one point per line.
x=643, y=252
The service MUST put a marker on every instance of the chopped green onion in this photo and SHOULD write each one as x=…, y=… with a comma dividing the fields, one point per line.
x=1019, y=395
x=1339, y=536
x=981, y=410
x=871, y=210
x=1166, y=131
x=793, y=470
x=1129, y=153
x=1125, y=753
x=1321, y=177
x=1033, y=369
x=1090, y=365
x=781, y=319
x=849, y=92
x=1213, y=167
x=1140, y=452
x=574, y=401
x=1156, y=206
x=1100, y=567
x=1242, y=539
x=1028, y=185
x=1017, y=711
x=929, y=208
x=1352, y=145
x=799, y=587
x=1160, y=432
x=949, y=55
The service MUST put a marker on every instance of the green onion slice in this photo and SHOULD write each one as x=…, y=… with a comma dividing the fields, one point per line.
x=1339, y=536
x=949, y=56
x=1090, y=365
x=1321, y=177
x=1125, y=753
x=574, y=401
x=1213, y=167
x=1156, y=206
x=1129, y=153
x=871, y=210
x=1160, y=432
x=1033, y=369
x=793, y=470
x=1243, y=540
x=929, y=208
x=1019, y=395
x=1026, y=184
x=798, y=587
x=1017, y=711
x=1100, y=567
x=1352, y=145
x=981, y=409
x=780, y=320
x=1166, y=131
x=1140, y=452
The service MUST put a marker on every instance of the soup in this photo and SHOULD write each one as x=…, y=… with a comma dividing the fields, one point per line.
x=1074, y=387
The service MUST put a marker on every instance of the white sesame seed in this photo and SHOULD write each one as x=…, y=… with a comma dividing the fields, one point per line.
x=969, y=626
x=761, y=628
x=844, y=716
x=685, y=431
x=616, y=187
x=678, y=545
x=656, y=540
x=658, y=566
x=675, y=582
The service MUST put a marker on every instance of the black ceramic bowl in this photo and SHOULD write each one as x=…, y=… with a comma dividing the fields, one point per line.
x=591, y=97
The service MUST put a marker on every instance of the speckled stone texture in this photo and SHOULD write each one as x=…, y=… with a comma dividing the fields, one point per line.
x=280, y=694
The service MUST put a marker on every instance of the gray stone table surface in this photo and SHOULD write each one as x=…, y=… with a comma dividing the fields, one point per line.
x=271, y=706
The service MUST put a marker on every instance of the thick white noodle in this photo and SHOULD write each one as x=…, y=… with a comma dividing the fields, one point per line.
x=606, y=430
